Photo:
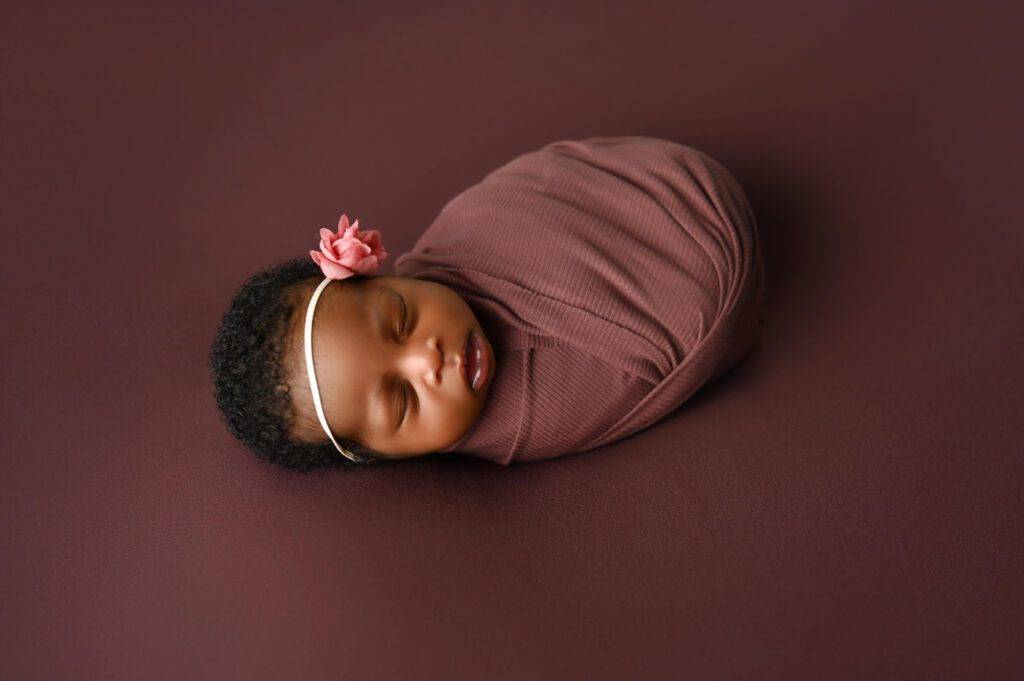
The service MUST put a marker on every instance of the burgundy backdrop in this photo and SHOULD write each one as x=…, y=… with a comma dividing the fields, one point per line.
x=845, y=504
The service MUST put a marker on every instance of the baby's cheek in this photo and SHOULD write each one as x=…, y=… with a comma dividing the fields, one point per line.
x=448, y=422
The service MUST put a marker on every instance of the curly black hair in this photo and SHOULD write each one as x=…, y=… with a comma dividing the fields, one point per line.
x=246, y=367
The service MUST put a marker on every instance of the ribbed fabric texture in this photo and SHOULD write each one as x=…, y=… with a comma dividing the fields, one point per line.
x=614, y=276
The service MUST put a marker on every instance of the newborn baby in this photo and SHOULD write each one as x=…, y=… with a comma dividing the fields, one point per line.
x=577, y=294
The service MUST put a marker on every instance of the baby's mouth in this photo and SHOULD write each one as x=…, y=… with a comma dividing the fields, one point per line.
x=476, y=361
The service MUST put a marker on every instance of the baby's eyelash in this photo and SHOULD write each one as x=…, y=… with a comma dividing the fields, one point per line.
x=403, y=404
x=403, y=321
x=406, y=392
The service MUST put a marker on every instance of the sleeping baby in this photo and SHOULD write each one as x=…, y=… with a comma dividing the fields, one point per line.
x=572, y=297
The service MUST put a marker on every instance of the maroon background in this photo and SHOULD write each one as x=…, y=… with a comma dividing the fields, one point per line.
x=845, y=504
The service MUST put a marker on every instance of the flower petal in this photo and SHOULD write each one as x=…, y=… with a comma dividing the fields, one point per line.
x=351, y=252
x=328, y=249
x=366, y=266
x=333, y=270
x=371, y=238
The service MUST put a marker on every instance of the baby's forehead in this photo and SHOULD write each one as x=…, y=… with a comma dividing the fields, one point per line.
x=339, y=311
x=342, y=304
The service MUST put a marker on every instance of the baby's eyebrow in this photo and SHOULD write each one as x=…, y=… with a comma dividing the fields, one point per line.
x=382, y=310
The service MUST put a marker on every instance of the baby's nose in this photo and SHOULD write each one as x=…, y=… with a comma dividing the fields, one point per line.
x=424, y=361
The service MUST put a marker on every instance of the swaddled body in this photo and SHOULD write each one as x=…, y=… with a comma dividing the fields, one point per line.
x=614, y=277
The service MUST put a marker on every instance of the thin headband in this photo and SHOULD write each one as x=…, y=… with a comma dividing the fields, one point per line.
x=348, y=252
x=312, y=374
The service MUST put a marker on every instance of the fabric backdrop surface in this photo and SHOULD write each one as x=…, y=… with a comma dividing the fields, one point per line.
x=845, y=503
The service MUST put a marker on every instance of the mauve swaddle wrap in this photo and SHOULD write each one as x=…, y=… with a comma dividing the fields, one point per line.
x=614, y=277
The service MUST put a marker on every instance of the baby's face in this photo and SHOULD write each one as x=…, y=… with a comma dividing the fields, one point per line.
x=389, y=374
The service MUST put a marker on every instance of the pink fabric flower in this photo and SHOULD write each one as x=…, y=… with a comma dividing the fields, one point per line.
x=349, y=251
